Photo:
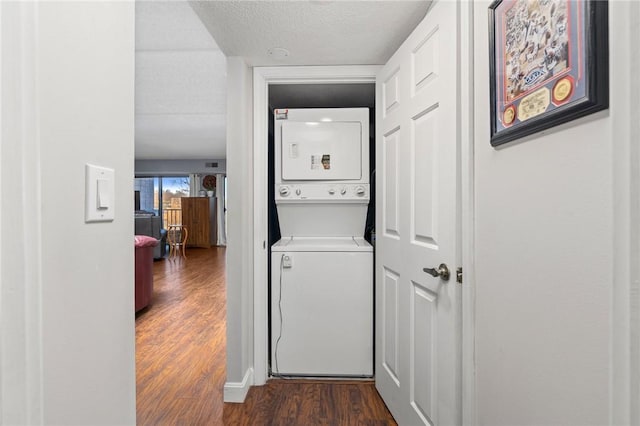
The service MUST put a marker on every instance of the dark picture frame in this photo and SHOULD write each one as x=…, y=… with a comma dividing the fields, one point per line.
x=549, y=64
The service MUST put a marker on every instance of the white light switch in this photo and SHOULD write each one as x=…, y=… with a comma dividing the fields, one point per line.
x=103, y=194
x=99, y=194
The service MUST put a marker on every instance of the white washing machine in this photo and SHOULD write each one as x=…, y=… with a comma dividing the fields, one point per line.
x=322, y=268
x=322, y=302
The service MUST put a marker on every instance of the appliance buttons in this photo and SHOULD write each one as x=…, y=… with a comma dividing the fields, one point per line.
x=343, y=190
x=285, y=191
x=332, y=191
x=298, y=192
x=360, y=191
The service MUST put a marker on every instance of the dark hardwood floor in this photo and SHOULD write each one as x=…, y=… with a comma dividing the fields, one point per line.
x=180, y=362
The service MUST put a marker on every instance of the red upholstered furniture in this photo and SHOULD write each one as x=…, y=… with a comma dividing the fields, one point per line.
x=144, y=269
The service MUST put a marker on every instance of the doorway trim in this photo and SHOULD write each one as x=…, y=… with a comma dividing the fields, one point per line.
x=21, y=350
x=625, y=322
x=467, y=211
x=263, y=77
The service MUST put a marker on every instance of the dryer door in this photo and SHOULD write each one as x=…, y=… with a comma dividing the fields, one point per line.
x=321, y=150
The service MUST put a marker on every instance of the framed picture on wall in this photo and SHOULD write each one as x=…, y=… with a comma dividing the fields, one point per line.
x=549, y=64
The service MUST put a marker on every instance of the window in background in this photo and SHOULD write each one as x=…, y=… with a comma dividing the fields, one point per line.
x=161, y=195
x=173, y=189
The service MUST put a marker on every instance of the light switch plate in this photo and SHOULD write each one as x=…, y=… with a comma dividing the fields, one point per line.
x=99, y=194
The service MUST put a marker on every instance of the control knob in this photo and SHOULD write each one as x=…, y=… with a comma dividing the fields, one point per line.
x=343, y=190
x=298, y=192
x=285, y=191
x=332, y=191
x=360, y=191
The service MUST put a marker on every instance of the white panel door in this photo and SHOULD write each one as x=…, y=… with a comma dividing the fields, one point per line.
x=418, y=332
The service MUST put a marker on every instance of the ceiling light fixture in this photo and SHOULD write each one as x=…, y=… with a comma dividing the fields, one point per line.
x=278, y=52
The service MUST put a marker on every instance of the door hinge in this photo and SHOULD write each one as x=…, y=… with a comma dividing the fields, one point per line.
x=459, y=275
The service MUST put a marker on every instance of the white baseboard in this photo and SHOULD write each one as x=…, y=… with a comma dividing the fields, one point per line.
x=237, y=391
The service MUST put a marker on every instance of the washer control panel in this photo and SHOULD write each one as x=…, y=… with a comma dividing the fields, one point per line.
x=323, y=192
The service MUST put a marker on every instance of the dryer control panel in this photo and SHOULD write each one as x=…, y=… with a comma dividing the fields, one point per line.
x=322, y=192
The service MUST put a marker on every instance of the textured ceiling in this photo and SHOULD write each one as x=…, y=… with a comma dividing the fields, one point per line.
x=181, y=71
x=314, y=32
x=180, y=85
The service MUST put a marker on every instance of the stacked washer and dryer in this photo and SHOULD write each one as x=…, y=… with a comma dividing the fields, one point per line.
x=322, y=267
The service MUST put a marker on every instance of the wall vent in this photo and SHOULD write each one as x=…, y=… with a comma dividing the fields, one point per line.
x=211, y=165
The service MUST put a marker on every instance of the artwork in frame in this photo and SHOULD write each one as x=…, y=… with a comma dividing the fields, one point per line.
x=549, y=64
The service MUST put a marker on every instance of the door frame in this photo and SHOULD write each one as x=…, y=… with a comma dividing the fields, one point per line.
x=625, y=323
x=265, y=76
x=21, y=351
x=467, y=211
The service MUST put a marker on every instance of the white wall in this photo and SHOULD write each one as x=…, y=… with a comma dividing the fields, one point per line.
x=75, y=279
x=239, y=230
x=545, y=259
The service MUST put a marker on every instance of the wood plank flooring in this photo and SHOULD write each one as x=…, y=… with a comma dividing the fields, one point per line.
x=180, y=362
x=301, y=403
